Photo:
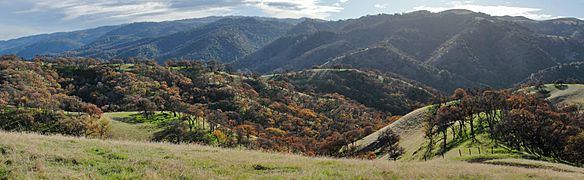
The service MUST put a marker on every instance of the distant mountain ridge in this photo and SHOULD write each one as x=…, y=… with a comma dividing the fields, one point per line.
x=445, y=50
x=225, y=40
x=100, y=41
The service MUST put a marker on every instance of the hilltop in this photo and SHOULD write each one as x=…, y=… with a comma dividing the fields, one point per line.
x=57, y=157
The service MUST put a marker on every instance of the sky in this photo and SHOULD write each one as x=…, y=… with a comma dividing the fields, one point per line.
x=20, y=18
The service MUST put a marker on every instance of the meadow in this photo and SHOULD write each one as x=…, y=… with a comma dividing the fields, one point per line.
x=32, y=156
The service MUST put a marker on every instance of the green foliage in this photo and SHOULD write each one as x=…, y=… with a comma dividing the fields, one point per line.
x=159, y=119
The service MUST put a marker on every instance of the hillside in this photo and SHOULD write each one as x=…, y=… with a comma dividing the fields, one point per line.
x=190, y=101
x=381, y=91
x=468, y=49
x=569, y=73
x=142, y=39
x=32, y=156
x=224, y=40
x=389, y=59
x=97, y=38
x=565, y=94
x=411, y=132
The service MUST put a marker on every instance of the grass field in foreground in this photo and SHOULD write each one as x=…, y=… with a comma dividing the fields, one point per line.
x=30, y=156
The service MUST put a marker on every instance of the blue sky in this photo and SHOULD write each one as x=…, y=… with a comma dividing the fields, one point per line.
x=27, y=17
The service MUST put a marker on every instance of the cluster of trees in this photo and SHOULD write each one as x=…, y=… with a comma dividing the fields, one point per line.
x=31, y=99
x=208, y=103
x=385, y=92
x=520, y=121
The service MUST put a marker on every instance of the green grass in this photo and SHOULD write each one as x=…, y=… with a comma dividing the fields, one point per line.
x=121, y=129
x=134, y=126
x=573, y=94
x=30, y=156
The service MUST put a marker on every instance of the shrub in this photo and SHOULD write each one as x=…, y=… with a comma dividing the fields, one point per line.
x=51, y=122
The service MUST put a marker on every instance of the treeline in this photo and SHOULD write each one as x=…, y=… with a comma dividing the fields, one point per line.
x=517, y=120
x=210, y=103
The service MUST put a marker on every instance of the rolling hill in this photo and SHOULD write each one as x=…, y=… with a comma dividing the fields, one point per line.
x=411, y=126
x=381, y=91
x=564, y=94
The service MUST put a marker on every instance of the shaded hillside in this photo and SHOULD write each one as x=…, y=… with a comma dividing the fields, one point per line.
x=225, y=40
x=384, y=92
x=475, y=49
x=499, y=54
x=295, y=52
x=573, y=72
x=389, y=59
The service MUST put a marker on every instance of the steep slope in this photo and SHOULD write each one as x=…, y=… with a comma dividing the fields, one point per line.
x=225, y=40
x=389, y=59
x=381, y=91
x=295, y=52
x=495, y=53
x=474, y=49
x=573, y=72
x=410, y=128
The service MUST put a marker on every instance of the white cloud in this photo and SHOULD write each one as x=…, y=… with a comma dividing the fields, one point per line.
x=158, y=10
x=380, y=6
x=532, y=13
x=129, y=10
x=294, y=8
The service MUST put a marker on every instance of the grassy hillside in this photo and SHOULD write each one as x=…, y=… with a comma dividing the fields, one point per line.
x=29, y=156
x=410, y=129
x=569, y=94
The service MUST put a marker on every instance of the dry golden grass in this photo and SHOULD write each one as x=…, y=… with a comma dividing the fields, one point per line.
x=30, y=156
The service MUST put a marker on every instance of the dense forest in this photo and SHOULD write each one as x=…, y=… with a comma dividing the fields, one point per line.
x=208, y=103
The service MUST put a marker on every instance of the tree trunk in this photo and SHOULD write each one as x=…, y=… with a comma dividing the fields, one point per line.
x=444, y=140
x=472, y=133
